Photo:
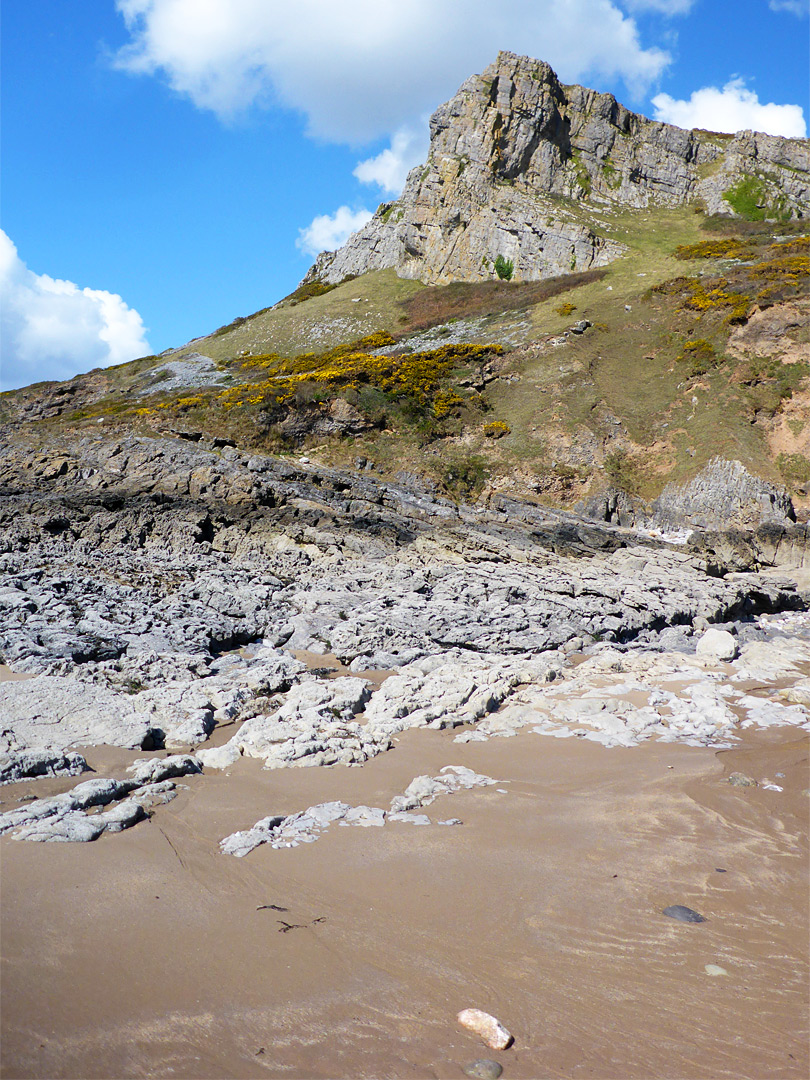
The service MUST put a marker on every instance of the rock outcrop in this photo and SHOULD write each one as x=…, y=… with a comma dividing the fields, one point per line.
x=724, y=495
x=516, y=155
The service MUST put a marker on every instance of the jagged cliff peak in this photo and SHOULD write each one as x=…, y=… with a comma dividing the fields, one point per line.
x=516, y=161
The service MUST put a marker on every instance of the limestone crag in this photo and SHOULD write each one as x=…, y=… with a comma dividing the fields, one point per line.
x=516, y=160
x=724, y=494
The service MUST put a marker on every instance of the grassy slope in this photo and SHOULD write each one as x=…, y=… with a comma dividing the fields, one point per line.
x=617, y=395
x=351, y=310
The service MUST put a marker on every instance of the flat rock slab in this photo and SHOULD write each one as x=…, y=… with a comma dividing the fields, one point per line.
x=50, y=712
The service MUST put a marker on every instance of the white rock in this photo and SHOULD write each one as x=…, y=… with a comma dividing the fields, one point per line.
x=365, y=815
x=491, y=1030
x=49, y=712
x=153, y=770
x=717, y=645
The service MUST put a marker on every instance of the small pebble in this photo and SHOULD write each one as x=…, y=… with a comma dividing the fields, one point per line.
x=738, y=779
x=714, y=969
x=682, y=913
x=483, y=1069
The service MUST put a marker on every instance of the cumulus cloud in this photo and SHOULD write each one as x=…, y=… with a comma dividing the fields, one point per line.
x=795, y=7
x=327, y=232
x=362, y=69
x=52, y=329
x=389, y=169
x=734, y=108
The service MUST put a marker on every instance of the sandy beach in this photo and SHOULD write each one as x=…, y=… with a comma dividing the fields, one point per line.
x=151, y=954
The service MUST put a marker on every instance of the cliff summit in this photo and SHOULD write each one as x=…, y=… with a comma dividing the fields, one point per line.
x=518, y=163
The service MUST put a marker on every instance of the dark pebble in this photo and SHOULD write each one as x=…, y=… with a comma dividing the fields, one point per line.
x=683, y=914
x=483, y=1069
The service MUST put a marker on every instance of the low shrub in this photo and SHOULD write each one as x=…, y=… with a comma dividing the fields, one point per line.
x=496, y=429
x=699, y=355
x=414, y=379
x=464, y=475
x=504, y=268
x=438, y=304
x=307, y=292
x=622, y=472
x=731, y=247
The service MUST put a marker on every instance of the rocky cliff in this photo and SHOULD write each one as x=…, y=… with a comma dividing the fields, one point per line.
x=516, y=162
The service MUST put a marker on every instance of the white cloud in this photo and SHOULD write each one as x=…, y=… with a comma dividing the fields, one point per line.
x=361, y=69
x=390, y=169
x=734, y=108
x=664, y=7
x=52, y=329
x=327, y=232
x=795, y=7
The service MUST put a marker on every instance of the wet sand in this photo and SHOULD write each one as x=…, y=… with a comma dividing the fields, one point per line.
x=150, y=954
x=7, y=675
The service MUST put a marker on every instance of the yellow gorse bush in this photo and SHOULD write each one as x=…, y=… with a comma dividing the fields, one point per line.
x=730, y=247
x=413, y=375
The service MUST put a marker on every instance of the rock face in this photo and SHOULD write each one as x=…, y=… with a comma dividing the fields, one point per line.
x=515, y=152
x=724, y=494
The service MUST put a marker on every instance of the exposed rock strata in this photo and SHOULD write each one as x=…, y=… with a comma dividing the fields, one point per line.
x=156, y=589
x=725, y=504
x=724, y=494
x=76, y=816
x=514, y=154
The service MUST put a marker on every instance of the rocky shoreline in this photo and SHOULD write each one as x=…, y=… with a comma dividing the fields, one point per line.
x=158, y=591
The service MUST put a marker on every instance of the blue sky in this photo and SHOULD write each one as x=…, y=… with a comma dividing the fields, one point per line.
x=167, y=163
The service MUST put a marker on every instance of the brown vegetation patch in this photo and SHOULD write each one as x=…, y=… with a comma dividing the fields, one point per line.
x=439, y=304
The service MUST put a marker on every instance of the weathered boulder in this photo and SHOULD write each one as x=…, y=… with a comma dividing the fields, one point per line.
x=718, y=645
x=29, y=764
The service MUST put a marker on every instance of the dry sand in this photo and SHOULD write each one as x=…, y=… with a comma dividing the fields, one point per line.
x=150, y=954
